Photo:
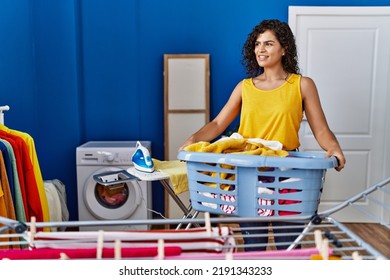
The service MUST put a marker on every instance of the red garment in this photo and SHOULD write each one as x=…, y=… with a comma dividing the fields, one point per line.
x=284, y=201
x=28, y=183
x=19, y=169
x=86, y=253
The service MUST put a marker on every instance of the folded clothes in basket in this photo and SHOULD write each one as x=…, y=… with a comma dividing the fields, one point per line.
x=231, y=209
x=237, y=146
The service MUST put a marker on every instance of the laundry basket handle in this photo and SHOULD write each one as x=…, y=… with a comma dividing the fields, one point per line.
x=304, y=160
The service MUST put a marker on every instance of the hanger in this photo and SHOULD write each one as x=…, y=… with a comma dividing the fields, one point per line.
x=2, y=109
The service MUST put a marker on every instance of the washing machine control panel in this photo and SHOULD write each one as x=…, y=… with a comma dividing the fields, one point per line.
x=105, y=157
x=117, y=158
x=107, y=153
x=109, y=157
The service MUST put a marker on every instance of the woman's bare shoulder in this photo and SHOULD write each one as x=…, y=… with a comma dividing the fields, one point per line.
x=307, y=81
x=307, y=86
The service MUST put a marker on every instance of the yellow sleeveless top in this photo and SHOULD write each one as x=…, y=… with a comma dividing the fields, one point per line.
x=272, y=114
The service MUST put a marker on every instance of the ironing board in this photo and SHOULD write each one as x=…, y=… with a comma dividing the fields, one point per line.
x=168, y=177
x=173, y=178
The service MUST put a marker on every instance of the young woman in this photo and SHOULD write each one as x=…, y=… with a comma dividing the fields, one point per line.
x=273, y=99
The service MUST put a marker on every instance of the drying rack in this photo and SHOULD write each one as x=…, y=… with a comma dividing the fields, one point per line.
x=318, y=237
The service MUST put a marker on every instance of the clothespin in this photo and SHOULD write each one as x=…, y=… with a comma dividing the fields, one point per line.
x=117, y=250
x=33, y=228
x=318, y=239
x=207, y=223
x=325, y=249
x=322, y=246
x=64, y=256
x=160, y=249
x=356, y=256
x=99, y=249
x=229, y=256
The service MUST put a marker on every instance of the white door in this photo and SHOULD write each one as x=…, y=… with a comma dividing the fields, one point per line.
x=346, y=50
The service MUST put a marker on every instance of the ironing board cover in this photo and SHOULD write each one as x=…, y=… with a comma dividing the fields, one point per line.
x=173, y=170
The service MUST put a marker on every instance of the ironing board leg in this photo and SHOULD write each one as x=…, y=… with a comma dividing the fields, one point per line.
x=186, y=210
x=189, y=216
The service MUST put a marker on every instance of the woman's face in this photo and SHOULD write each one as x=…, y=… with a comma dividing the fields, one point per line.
x=268, y=50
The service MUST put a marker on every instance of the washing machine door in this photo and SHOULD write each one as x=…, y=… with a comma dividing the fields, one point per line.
x=113, y=202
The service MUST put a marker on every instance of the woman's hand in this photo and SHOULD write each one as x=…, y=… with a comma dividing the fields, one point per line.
x=338, y=154
x=185, y=144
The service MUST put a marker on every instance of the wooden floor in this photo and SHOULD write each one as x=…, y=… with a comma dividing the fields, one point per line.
x=376, y=235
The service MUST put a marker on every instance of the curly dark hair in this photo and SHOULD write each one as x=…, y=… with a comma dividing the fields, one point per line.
x=286, y=39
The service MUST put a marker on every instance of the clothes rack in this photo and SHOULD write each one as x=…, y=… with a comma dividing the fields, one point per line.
x=23, y=190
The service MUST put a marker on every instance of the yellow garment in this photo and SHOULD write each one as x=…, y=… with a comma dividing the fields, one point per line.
x=272, y=114
x=177, y=172
x=232, y=146
x=37, y=171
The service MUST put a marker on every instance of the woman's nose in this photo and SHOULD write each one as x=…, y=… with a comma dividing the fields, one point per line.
x=260, y=48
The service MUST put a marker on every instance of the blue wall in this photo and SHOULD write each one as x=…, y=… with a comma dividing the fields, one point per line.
x=79, y=70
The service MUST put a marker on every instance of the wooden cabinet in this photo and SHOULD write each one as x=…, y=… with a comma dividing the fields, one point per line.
x=186, y=106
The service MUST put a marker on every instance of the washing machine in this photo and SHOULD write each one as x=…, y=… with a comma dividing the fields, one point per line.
x=126, y=200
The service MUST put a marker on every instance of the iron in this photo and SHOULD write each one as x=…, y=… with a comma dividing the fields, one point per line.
x=141, y=159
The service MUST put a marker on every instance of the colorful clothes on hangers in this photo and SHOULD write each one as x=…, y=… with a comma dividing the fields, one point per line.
x=31, y=197
x=30, y=145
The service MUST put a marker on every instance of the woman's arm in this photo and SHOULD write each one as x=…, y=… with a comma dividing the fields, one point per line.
x=318, y=123
x=218, y=125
